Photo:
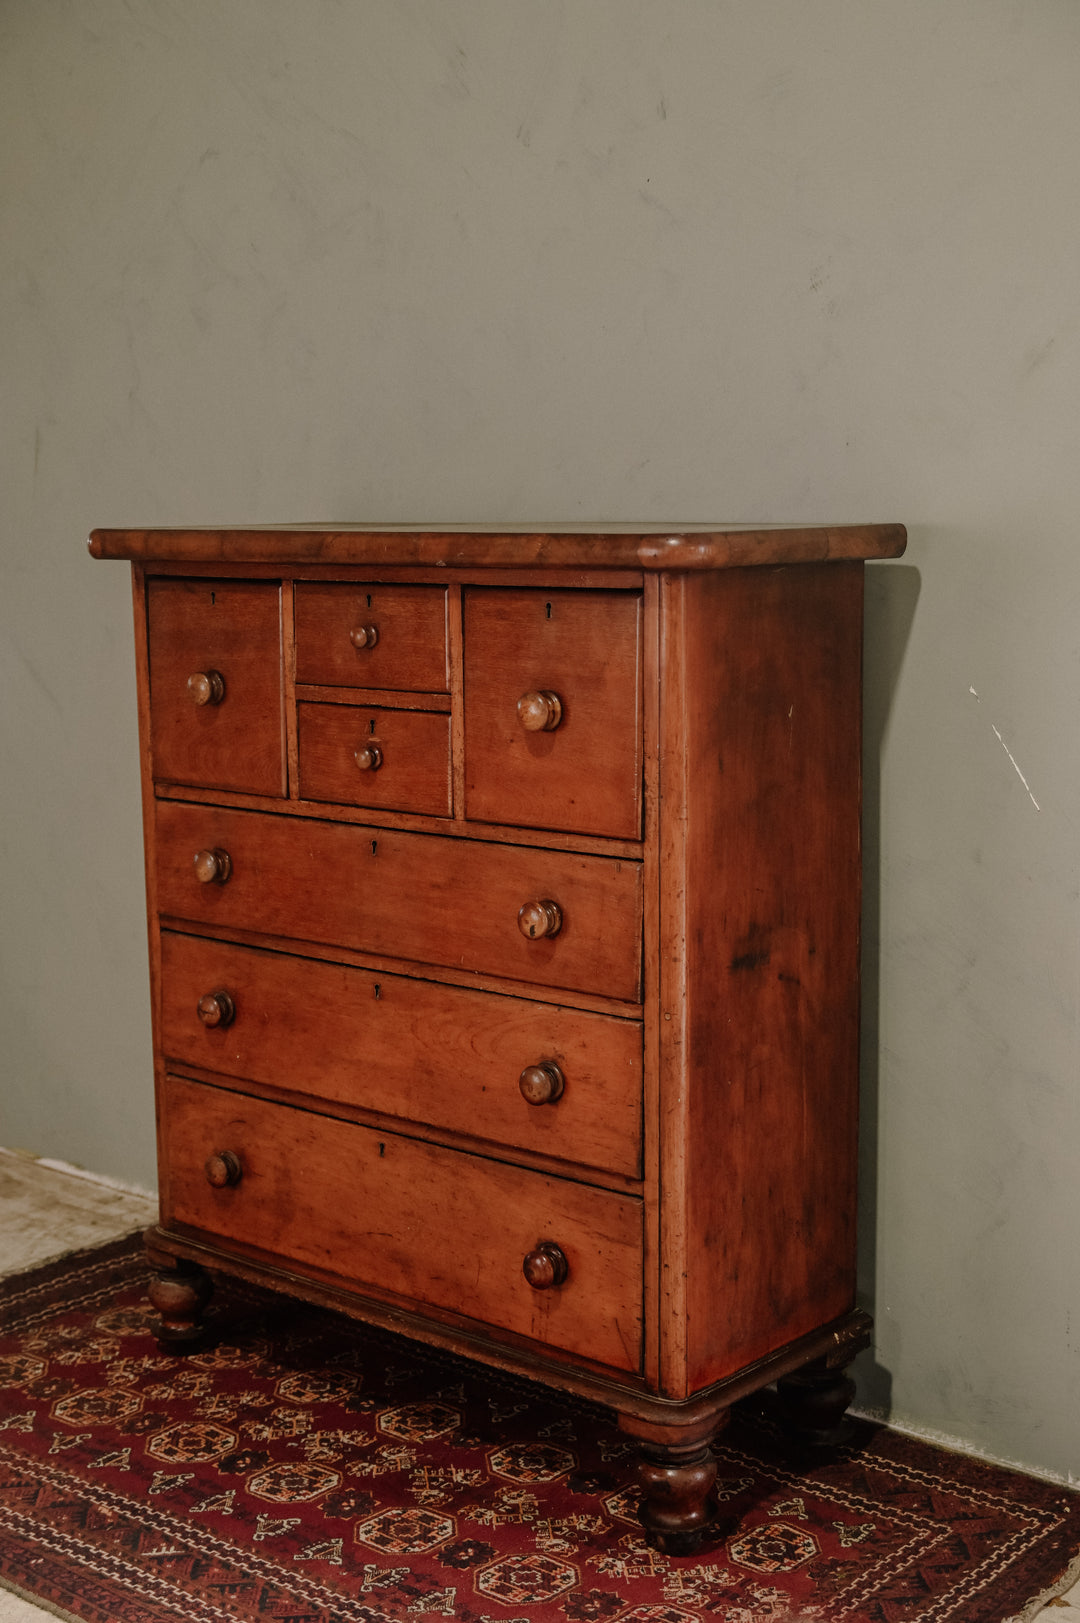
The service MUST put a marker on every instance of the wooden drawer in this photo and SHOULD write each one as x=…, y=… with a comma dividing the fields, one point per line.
x=422, y=897
x=409, y=651
x=441, y=1055
x=583, y=647
x=435, y=1226
x=228, y=633
x=397, y=759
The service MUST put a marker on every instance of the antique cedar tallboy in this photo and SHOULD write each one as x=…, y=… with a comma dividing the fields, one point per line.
x=504, y=917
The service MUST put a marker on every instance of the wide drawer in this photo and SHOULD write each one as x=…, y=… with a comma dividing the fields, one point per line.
x=436, y=1226
x=363, y=756
x=216, y=711
x=440, y=1055
x=335, y=646
x=553, y=733
x=423, y=897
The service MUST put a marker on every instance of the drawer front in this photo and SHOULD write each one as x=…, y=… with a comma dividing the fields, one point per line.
x=436, y=1226
x=421, y=897
x=334, y=647
x=396, y=759
x=584, y=772
x=441, y=1055
x=216, y=706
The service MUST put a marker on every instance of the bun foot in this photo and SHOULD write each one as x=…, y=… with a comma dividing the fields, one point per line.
x=813, y=1402
x=676, y=1475
x=179, y=1290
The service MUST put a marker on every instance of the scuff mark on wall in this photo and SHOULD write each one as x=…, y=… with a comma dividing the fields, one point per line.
x=1010, y=754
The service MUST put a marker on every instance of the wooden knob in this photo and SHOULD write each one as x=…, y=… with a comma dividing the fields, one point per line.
x=212, y=867
x=223, y=1170
x=364, y=636
x=545, y=1266
x=216, y=1009
x=368, y=757
x=539, y=712
x=536, y=919
x=206, y=687
x=541, y=1084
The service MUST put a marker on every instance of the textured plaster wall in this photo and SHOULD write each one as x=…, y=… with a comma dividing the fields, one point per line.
x=500, y=260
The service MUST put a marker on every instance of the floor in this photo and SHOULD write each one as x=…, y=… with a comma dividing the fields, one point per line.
x=47, y=1210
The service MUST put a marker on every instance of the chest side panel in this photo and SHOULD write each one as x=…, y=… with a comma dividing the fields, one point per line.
x=772, y=726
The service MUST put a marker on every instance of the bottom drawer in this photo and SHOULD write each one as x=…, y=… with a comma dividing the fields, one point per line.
x=436, y=1226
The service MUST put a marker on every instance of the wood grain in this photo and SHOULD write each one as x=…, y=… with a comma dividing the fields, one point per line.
x=414, y=774
x=411, y=896
x=552, y=839
x=680, y=548
x=414, y=1049
x=770, y=861
x=585, y=648
x=411, y=649
x=227, y=627
x=416, y=1219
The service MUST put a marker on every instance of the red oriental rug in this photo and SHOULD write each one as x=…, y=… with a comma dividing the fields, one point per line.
x=309, y=1470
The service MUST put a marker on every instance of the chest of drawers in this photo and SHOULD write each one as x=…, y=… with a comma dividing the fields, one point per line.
x=504, y=912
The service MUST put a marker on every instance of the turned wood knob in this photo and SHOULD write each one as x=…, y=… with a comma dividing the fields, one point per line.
x=540, y=711
x=536, y=919
x=216, y=1009
x=368, y=757
x=541, y=1084
x=364, y=636
x=223, y=1170
x=206, y=687
x=212, y=867
x=545, y=1266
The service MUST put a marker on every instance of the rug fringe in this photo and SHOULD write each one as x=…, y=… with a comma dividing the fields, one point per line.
x=1061, y=1586
x=38, y=1602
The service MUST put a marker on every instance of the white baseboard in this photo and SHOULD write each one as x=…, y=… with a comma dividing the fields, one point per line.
x=81, y=1172
x=960, y=1445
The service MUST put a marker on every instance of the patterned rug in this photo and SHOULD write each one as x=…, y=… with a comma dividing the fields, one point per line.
x=309, y=1470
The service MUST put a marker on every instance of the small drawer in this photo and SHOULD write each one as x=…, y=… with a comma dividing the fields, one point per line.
x=437, y=1227
x=469, y=1062
x=553, y=709
x=426, y=898
x=395, y=759
x=372, y=636
x=216, y=707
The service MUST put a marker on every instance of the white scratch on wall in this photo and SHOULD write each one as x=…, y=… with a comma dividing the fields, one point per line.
x=1011, y=756
x=1019, y=774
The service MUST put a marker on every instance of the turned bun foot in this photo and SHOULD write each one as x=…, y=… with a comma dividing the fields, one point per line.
x=179, y=1291
x=677, y=1478
x=814, y=1401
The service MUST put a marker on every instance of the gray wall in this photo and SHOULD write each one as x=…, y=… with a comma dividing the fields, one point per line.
x=517, y=260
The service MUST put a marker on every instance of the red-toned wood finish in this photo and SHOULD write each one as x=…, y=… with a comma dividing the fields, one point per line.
x=553, y=709
x=360, y=756
x=371, y=636
x=408, y=896
x=410, y=1048
x=409, y=1218
x=541, y=1047
x=681, y=548
x=762, y=1103
x=216, y=715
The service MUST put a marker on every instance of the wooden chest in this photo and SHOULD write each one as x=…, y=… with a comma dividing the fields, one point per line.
x=504, y=925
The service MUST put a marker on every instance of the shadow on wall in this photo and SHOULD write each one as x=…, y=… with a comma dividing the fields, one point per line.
x=892, y=593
